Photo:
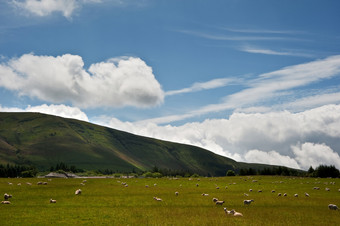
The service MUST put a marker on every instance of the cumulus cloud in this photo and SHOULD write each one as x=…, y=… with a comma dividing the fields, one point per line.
x=46, y=7
x=272, y=136
x=271, y=157
x=57, y=110
x=119, y=82
x=310, y=154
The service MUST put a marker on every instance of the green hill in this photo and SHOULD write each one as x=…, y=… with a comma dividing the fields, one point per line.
x=44, y=140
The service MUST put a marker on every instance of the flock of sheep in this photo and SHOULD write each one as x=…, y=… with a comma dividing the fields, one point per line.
x=7, y=196
x=215, y=200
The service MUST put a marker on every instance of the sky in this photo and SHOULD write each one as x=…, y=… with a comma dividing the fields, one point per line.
x=255, y=81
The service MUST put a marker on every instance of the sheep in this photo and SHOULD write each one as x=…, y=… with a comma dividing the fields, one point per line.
x=44, y=183
x=226, y=211
x=306, y=194
x=82, y=184
x=273, y=191
x=327, y=189
x=259, y=191
x=5, y=202
x=7, y=196
x=250, y=190
x=176, y=193
x=53, y=201
x=155, y=185
x=226, y=187
x=28, y=183
x=39, y=183
x=245, y=194
x=214, y=199
x=247, y=202
x=84, y=181
x=285, y=194
x=217, y=187
x=19, y=184
x=296, y=195
x=219, y=202
x=333, y=207
x=9, y=183
x=339, y=189
x=204, y=194
x=77, y=192
x=197, y=185
x=279, y=194
x=316, y=188
x=157, y=199
x=236, y=214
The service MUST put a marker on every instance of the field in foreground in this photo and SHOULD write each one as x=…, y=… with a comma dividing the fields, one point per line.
x=110, y=202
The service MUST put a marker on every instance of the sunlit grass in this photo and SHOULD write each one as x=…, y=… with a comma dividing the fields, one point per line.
x=108, y=202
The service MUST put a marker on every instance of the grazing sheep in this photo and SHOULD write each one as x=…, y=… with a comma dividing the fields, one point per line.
x=146, y=186
x=333, y=207
x=157, y=199
x=9, y=183
x=77, y=192
x=250, y=190
x=219, y=202
x=226, y=187
x=84, y=181
x=19, y=184
x=204, y=194
x=176, y=193
x=306, y=194
x=236, y=214
x=5, y=202
x=279, y=194
x=217, y=187
x=82, y=184
x=273, y=191
x=197, y=185
x=285, y=194
x=53, y=201
x=7, y=196
x=39, y=183
x=339, y=189
x=296, y=195
x=245, y=194
x=155, y=185
x=44, y=183
x=259, y=191
x=214, y=199
x=28, y=183
x=316, y=188
x=327, y=189
x=226, y=211
x=247, y=202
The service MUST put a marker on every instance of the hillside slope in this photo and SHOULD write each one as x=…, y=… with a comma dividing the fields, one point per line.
x=44, y=140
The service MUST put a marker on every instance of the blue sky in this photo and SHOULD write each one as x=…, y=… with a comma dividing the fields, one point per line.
x=257, y=81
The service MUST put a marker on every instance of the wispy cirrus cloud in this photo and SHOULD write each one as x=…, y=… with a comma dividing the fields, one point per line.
x=268, y=86
x=198, y=86
x=249, y=49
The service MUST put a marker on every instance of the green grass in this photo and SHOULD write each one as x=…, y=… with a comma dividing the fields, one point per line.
x=108, y=202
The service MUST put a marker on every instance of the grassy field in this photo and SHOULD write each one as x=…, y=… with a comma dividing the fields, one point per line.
x=109, y=202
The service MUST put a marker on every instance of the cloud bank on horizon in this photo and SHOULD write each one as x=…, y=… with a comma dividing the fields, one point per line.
x=284, y=109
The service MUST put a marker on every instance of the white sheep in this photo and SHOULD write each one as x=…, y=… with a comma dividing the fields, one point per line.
x=28, y=183
x=316, y=188
x=250, y=190
x=285, y=194
x=333, y=207
x=9, y=183
x=19, y=184
x=176, y=193
x=77, y=192
x=273, y=191
x=204, y=194
x=306, y=194
x=157, y=199
x=236, y=214
x=5, y=202
x=53, y=201
x=279, y=194
x=247, y=202
x=219, y=202
x=296, y=195
x=214, y=199
x=327, y=189
x=245, y=194
x=226, y=211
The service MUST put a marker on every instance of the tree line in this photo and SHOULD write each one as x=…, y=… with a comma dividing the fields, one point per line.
x=17, y=171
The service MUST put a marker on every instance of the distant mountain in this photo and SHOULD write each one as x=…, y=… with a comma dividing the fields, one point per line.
x=44, y=140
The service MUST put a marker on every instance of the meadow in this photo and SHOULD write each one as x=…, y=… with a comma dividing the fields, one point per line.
x=109, y=202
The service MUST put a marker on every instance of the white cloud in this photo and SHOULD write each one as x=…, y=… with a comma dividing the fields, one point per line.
x=249, y=49
x=271, y=157
x=114, y=83
x=271, y=134
x=268, y=86
x=212, y=84
x=46, y=7
x=310, y=154
x=57, y=110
